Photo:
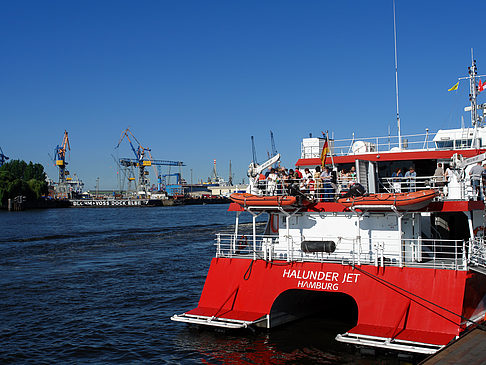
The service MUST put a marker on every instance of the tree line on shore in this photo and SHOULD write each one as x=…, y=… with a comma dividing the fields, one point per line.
x=20, y=178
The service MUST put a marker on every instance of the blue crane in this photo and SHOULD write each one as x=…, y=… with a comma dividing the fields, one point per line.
x=143, y=158
x=140, y=151
x=274, y=149
x=60, y=157
x=3, y=158
x=171, y=189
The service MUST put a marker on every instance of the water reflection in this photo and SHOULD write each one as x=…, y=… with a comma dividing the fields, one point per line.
x=308, y=341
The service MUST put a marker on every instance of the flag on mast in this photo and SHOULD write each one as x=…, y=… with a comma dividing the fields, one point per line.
x=481, y=86
x=324, y=152
x=454, y=87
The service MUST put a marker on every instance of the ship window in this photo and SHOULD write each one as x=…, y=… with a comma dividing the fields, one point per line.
x=457, y=143
x=464, y=143
x=445, y=144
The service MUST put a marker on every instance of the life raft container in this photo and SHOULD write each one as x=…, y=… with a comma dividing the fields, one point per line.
x=402, y=201
x=246, y=200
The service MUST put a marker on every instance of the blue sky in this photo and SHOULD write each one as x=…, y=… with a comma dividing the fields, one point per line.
x=195, y=79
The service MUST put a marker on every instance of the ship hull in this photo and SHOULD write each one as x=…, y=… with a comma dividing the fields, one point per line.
x=406, y=305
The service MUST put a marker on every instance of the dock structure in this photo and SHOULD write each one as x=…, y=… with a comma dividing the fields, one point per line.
x=468, y=349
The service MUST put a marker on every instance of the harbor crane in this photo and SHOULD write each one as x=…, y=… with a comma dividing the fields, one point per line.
x=230, y=179
x=253, y=150
x=143, y=158
x=3, y=158
x=274, y=149
x=163, y=184
x=60, y=157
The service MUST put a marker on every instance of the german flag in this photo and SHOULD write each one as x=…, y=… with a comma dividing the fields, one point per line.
x=324, y=152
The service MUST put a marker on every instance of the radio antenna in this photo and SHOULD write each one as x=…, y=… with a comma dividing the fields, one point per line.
x=396, y=76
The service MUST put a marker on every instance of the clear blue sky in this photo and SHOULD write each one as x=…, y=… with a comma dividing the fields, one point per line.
x=195, y=79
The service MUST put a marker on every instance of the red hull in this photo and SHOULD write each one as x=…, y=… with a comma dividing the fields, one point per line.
x=246, y=200
x=416, y=200
x=410, y=304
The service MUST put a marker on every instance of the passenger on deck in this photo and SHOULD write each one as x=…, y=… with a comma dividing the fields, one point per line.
x=272, y=182
x=306, y=178
x=475, y=174
x=439, y=176
x=352, y=174
x=447, y=179
x=334, y=182
x=344, y=180
x=483, y=179
x=411, y=176
x=261, y=184
x=290, y=182
x=328, y=191
x=283, y=183
x=397, y=180
x=298, y=174
x=447, y=174
x=291, y=175
x=307, y=174
x=318, y=181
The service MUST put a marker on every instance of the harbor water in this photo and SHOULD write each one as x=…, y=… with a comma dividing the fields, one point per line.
x=100, y=285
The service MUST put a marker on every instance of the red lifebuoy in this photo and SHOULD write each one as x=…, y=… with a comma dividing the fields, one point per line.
x=272, y=228
x=242, y=243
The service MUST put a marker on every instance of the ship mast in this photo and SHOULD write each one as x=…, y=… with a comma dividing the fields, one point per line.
x=396, y=75
x=476, y=120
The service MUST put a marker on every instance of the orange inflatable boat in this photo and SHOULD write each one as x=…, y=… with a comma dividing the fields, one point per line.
x=402, y=201
x=246, y=199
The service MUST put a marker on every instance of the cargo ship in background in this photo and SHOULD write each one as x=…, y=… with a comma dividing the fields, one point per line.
x=406, y=277
x=171, y=189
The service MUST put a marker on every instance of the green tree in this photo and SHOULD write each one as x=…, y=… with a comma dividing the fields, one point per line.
x=19, y=178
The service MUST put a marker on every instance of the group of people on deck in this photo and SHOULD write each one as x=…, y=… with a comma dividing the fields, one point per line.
x=477, y=175
x=407, y=182
x=322, y=183
x=277, y=180
x=440, y=179
x=478, y=178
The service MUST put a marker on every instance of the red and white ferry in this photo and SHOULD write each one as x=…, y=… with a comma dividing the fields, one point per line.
x=413, y=278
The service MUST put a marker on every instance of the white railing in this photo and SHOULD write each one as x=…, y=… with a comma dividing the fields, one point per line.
x=477, y=252
x=432, y=253
x=406, y=184
x=316, y=189
x=358, y=145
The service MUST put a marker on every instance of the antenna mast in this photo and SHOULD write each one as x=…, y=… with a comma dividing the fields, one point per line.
x=396, y=76
x=473, y=71
x=476, y=120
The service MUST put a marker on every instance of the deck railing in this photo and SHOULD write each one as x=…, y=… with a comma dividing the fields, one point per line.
x=431, y=253
x=358, y=145
x=477, y=252
x=325, y=190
